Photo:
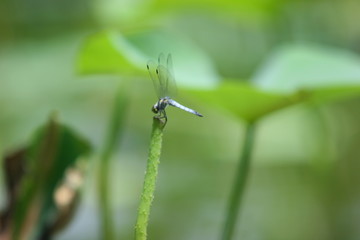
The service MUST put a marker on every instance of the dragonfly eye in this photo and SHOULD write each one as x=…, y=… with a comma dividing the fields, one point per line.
x=154, y=109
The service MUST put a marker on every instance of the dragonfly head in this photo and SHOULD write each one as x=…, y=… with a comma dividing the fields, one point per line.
x=155, y=108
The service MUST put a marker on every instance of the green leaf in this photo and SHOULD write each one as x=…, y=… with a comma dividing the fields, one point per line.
x=143, y=13
x=250, y=103
x=327, y=94
x=297, y=67
x=109, y=52
x=53, y=150
x=247, y=102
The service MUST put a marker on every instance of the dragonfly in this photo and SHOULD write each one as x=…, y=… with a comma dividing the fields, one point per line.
x=163, y=79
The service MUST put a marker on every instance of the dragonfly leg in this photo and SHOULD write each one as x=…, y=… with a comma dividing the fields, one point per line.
x=162, y=115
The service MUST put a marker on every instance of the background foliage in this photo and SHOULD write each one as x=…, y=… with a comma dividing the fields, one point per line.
x=292, y=66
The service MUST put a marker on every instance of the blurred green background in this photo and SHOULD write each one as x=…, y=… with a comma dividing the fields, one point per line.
x=72, y=56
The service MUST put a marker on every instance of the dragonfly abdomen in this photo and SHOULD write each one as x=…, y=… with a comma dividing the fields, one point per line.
x=173, y=103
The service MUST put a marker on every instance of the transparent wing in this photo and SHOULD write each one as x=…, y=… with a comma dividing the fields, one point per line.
x=165, y=75
x=171, y=84
x=152, y=68
x=162, y=76
x=162, y=59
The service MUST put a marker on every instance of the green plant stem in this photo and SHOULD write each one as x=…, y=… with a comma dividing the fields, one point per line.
x=113, y=133
x=239, y=183
x=147, y=195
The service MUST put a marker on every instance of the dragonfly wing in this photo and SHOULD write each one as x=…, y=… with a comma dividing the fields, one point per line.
x=171, y=83
x=162, y=59
x=162, y=76
x=153, y=72
x=166, y=77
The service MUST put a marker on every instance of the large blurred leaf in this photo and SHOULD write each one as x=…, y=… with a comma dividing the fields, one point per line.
x=133, y=12
x=247, y=102
x=250, y=103
x=14, y=171
x=53, y=150
x=327, y=94
x=111, y=52
x=297, y=67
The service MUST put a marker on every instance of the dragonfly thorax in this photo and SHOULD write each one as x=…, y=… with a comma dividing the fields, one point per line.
x=160, y=105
